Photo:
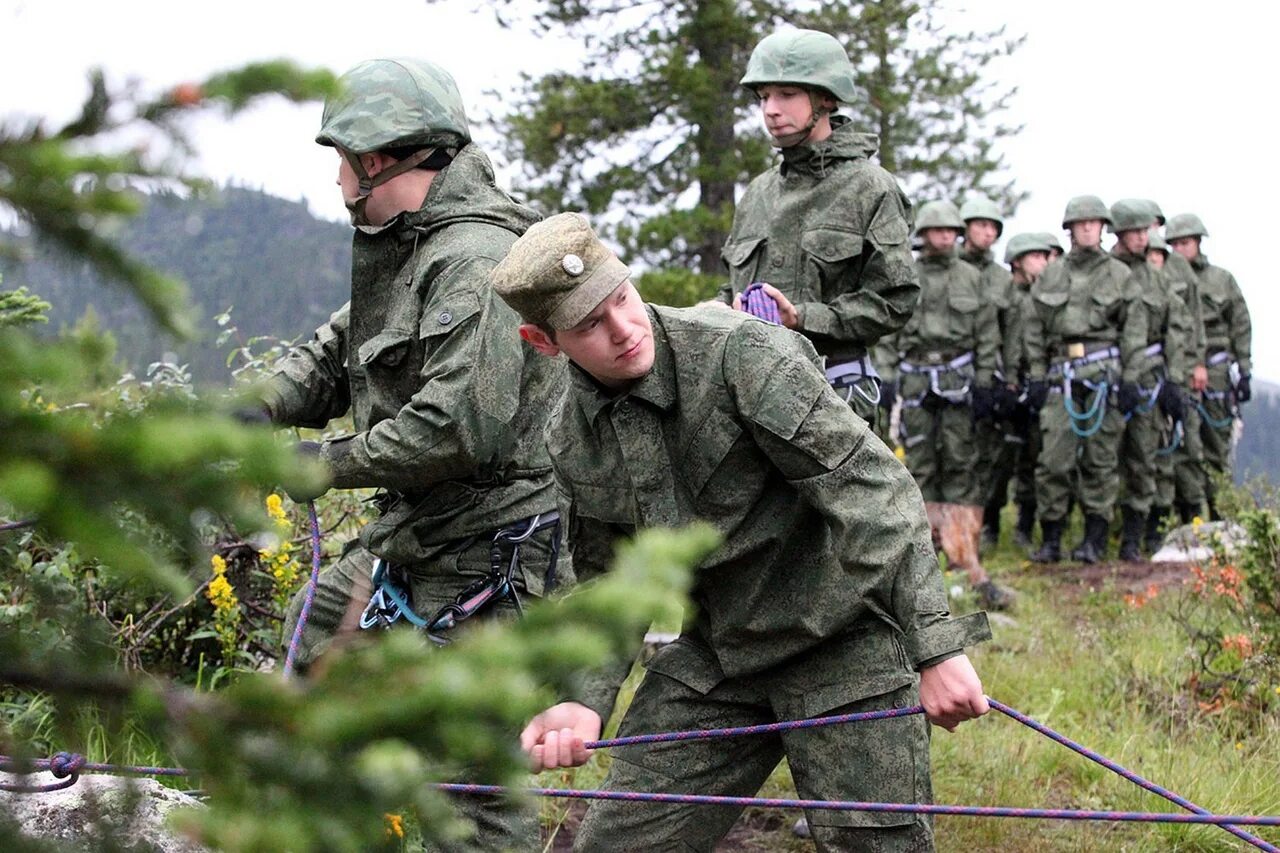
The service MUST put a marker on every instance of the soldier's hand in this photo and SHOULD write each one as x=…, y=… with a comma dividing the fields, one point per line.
x=1199, y=378
x=786, y=310
x=1129, y=398
x=1173, y=402
x=311, y=485
x=952, y=693
x=555, y=737
x=1244, y=393
x=1037, y=394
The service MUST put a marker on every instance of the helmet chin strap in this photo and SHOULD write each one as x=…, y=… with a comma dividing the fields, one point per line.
x=816, y=111
x=367, y=184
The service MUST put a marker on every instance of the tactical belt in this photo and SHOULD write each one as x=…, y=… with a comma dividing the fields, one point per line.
x=1067, y=367
x=1220, y=357
x=852, y=376
x=933, y=371
x=392, y=593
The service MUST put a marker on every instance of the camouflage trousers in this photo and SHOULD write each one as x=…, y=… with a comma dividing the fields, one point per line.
x=999, y=446
x=1138, y=447
x=343, y=591
x=1217, y=426
x=1028, y=455
x=1185, y=486
x=1065, y=456
x=941, y=450
x=882, y=760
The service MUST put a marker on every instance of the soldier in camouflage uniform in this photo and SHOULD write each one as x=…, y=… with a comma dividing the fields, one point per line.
x=945, y=362
x=997, y=438
x=1027, y=255
x=1085, y=332
x=1229, y=340
x=824, y=596
x=827, y=229
x=1055, y=245
x=448, y=406
x=1163, y=372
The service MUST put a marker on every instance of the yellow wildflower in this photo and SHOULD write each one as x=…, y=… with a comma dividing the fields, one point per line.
x=275, y=509
x=1196, y=522
x=395, y=825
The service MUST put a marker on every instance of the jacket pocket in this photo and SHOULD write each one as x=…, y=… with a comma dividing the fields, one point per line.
x=743, y=259
x=387, y=349
x=689, y=663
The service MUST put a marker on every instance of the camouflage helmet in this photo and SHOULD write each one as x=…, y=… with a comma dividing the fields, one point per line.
x=1184, y=225
x=1131, y=214
x=807, y=58
x=1155, y=241
x=1155, y=209
x=1084, y=207
x=981, y=207
x=1021, y=244
x=1052, y=240
x=938, y=214
x=394, y=103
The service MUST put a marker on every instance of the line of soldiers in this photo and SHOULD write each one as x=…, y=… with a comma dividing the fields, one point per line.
x=1092, y=377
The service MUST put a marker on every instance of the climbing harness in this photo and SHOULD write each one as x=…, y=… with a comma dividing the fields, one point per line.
x=934, y=371
x=854, y=377
x=392, y=596
x=1086, y=422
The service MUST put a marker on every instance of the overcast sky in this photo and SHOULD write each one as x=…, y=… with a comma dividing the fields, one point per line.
x=1171, y=101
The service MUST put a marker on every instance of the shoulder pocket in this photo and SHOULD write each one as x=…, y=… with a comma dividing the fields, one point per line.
x=1051, y=298
x=710, y=444
x=387, y=348
x=831, y=245
x=737, y=253
x=443, y=318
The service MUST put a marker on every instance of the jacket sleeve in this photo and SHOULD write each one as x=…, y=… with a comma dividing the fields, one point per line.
x=986, y=342
x=1035, y=347
x=458, y=425
x=874, y=509
x=1009, y=316
x=1178, y=338
x=1240, y=328
x=310, y=386
x=1131, y=321
x=881, y=289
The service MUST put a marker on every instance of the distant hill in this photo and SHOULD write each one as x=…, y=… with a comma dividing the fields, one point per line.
x=282, y=271
x=1258, y=452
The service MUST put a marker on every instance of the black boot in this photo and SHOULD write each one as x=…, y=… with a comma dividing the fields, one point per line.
x=1051, y=548
x=1094, y=546
x=991, y=525
x=1188, y=511
x=1026, y=525
x=1155, y=520
x=1131, y=534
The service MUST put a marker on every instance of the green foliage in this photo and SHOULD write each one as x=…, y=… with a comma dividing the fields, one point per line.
x=653, y=133
x=19, y=308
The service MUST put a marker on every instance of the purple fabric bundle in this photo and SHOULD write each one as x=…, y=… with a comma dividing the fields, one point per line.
x=760, y=304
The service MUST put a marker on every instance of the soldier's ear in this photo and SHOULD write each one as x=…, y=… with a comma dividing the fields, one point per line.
x=538, y=338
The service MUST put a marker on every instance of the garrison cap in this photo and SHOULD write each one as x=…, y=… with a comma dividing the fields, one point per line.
x=558, y=272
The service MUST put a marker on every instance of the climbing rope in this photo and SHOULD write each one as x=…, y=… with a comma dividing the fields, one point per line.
x=310, y=596
x=760, y=304
x=1094, y=415
x=1211, y=421
x=1179, y=431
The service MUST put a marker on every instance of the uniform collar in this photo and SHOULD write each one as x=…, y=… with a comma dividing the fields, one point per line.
x=980, y=258
x=1200, y=262
x=657, y=387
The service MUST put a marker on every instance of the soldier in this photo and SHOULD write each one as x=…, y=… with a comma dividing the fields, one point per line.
x=1162, y=374
x=1084, y=336
x=1055, y=245
x=995, y=439
x=1228, y=337
x=949, y=352
x=823, y=598
x=448, y=408
x=826, y=229
x=1027, y=256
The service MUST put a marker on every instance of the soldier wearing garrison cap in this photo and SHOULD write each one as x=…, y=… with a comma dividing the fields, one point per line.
x=824, y=598
x=448, y=407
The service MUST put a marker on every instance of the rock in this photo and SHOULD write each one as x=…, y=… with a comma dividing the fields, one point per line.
x=132, y=811
x=1193, y=543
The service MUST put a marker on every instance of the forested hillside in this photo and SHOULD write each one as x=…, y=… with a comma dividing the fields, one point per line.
x=281, y=270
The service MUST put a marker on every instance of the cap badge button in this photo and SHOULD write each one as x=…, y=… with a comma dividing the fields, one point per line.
x=572, y=264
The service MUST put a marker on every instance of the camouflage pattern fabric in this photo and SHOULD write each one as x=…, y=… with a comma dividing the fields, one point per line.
x=385, y=103
x=806, y=58
x=1188, y=481
x=830, y=230
x=1089, y=299
x=736, y=427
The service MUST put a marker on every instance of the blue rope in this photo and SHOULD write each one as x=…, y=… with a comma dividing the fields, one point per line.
x=1178, y=431
x=1216, y=424
x=1097, y=411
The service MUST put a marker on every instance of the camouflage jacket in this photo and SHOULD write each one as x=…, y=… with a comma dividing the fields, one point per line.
x=1226, y=316
x=1186, y=286
x=448, y=404
x=1085, y=297
x=830, y=230
x=1168, y=320
x=952, y=318
x=997, y=287
x=826, y=578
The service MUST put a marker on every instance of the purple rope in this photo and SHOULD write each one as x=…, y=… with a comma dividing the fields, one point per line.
x=18, y=525
x=1127, y=774
x=67, y=766
x=789, y=725
x=760, y=304
x=296, y=639
x=854, y=806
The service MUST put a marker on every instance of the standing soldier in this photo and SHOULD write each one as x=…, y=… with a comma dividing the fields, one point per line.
x=823, y=598
x=1228, y=337
x=1027, y=256
x=448, y=405
x=996, y=438
x=1085, y=335
x=1055, y=245
x=949, y=350
x=826, y=229
x=1162, y=373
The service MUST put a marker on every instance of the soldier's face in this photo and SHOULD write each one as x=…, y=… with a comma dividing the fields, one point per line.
x=938, y=240
x=1032, y=264
x=1188, y=247
x=786, y=109
x=1155, y=257
x=1134, y=241
x=1087, y=233
x=614, y=343
x=980, y=233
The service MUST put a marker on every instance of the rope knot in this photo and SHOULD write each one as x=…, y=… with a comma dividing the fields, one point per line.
x=66, y=764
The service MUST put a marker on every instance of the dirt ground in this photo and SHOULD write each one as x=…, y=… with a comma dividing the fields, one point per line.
x=755, y=832
x=1077, y=580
